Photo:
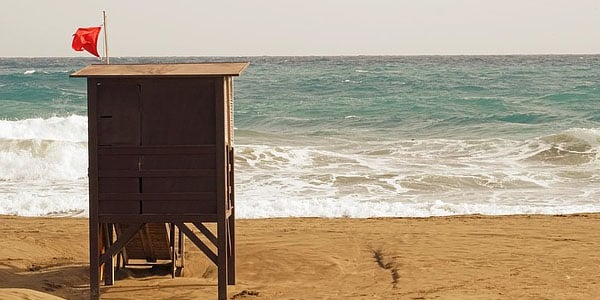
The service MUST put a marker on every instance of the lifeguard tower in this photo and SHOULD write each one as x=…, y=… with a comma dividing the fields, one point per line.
x=160, y=160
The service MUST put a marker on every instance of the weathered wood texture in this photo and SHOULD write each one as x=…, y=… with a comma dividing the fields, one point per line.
x=160, y=152
x=163, y=70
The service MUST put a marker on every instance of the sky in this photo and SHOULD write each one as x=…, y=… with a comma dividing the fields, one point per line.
x=32, y=28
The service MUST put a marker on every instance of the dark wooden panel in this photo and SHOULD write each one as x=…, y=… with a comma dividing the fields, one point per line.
x=158, y=150
x=179, y=207
x=118, y=162
x=118, y=113
x=138, y=218
x=181, y=162
x=118, y=185
x=157, y=173
x=178, y=184
x=178, y=111
x=118, y=207
x=197, y=197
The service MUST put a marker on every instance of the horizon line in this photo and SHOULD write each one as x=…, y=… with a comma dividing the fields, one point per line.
x=325, y=55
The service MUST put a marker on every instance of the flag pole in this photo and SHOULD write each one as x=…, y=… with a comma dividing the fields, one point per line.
x=105, y=39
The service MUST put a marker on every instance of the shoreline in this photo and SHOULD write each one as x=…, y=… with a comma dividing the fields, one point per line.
x=450, y=257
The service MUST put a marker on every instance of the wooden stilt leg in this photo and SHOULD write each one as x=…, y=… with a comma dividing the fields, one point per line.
x=222, y=258
x=182, y=249
x=109, y=266
x=94, y=261
x=172, y=238
x=231, y=219
x=231, y=250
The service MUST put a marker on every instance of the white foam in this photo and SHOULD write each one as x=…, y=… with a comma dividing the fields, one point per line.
x=28, y=72
x=41, y=159
x=408, y=179
x=43, y=198
x=43, y=166
x=589, y=135
x=43, y=149
x=357, y=208
x=72, y=128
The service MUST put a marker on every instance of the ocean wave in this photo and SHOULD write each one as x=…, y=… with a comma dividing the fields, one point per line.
x=43, y=149
x=72, y=128
x=492, y=176
x=567, y=96
x=469, y=88
x=334, y=208
x=45, y=198
x=35, y=159
x=74, y=202
x=575, y=146
x=43, y=168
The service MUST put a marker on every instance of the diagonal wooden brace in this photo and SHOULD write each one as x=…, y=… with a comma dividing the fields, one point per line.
x=209, y=253
x=211, y=237
x=120, y=243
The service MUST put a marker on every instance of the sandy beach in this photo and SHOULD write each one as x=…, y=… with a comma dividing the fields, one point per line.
x=463, y=257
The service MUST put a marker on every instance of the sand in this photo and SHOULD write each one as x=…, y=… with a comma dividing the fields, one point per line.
x=464, y=257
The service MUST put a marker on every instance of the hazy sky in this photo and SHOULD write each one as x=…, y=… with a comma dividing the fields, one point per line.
x=307, y=27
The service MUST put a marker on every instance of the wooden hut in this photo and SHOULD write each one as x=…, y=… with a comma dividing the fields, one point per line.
x=160, y=159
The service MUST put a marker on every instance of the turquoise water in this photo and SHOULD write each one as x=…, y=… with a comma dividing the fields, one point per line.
x=416, y=97
x=345, y=136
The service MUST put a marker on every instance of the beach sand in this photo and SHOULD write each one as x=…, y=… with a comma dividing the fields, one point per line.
x=462, y=257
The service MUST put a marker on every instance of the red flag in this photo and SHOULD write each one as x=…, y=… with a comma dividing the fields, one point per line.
x=86, y=39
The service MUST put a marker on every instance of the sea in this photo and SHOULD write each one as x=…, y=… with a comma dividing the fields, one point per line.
x=348, y=136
